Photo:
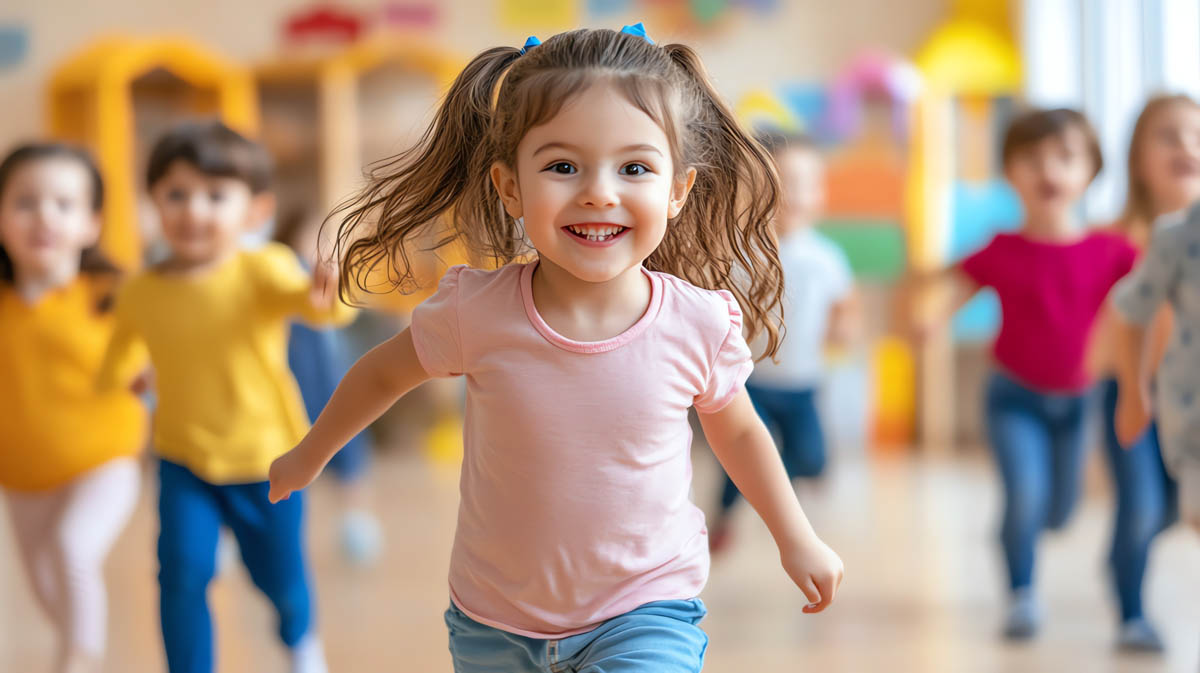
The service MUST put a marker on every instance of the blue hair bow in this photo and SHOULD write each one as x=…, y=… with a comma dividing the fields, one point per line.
x=530, y=43
x=637, y=30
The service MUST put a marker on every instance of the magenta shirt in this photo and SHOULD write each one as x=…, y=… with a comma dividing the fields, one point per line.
x=576, y=469
x=1050, y=294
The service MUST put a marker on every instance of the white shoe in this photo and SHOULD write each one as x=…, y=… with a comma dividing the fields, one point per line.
x=308, y=656
x=361, y=537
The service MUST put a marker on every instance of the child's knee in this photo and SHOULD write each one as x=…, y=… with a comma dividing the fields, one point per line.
x=185, y=570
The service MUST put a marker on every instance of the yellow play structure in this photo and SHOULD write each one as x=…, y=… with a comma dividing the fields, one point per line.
x=90, y=100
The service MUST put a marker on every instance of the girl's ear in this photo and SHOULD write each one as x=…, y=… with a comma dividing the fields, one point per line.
x=504, y=179
x=679, y=193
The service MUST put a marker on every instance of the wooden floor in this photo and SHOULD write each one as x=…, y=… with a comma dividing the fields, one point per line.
x=922, y=591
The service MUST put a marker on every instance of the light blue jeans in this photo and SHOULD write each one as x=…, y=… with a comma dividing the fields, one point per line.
x=659, y=637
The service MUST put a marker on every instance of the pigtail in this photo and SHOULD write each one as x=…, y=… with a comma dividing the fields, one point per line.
x=411, y=192
x=722, y=238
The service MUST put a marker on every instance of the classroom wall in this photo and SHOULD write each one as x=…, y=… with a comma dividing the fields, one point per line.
x=802, y=40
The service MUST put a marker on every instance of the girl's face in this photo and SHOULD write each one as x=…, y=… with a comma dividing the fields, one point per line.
x=46, y=216
x=202, y=216
x=595, y=184
x=1169, y=161
x=1051, y=174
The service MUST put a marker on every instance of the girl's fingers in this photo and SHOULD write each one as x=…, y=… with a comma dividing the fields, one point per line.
x=809, y=588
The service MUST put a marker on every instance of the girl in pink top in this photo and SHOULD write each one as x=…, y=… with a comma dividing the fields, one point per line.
x=619, y=197
x=1052, y=278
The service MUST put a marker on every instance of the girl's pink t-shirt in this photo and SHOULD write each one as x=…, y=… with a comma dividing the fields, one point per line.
x=1050, y=294
x=576, y=470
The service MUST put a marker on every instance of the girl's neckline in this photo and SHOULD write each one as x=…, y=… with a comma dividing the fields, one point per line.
x=49, y=295
x=604, y=346
x=1080, y=237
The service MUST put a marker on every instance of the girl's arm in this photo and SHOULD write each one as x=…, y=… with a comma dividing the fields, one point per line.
x=745, y=449
x=1133, y=381
x=1138, y=300
x=370, y=388
x=937, y=296
x=125, y=360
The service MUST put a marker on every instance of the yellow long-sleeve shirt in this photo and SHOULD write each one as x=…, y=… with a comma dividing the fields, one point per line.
x=53, y=424
x=227, y=402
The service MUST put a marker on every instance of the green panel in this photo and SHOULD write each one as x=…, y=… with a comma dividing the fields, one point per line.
x=875, y=248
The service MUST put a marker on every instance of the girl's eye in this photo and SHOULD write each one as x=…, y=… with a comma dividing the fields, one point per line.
x=176, y=195
x=634, y=169
x=562, y=168
x=217, y=195
x=64, y=205
x=26, y=203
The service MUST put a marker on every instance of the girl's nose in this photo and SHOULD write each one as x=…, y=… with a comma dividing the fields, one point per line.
x=598, y=192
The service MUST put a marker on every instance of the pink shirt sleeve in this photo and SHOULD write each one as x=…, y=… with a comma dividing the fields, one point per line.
x=981, y=265
x=435, y=328
x=730, y=367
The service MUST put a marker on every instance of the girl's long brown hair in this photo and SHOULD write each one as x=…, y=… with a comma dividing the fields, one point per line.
x=439, y=191
x=1139, y=210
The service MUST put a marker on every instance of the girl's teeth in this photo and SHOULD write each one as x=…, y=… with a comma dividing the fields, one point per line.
x=596, y=233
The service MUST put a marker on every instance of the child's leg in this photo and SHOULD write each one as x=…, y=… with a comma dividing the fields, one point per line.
x=1068, y=427
x=189, y=520
x=1144, y=506
x=97, y=507
x=659, y=637
x=271, y=539
x=33, y=516
x=1021, y=444
x=803, y=438
x=478, y=648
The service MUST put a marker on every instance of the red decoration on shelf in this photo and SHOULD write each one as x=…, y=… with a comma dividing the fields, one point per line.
x=324, y=23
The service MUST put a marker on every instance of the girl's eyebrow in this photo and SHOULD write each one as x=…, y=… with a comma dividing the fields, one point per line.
x=572, y=148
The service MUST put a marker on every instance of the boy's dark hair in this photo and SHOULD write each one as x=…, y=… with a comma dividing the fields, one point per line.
x=777, y=141
x=1034, y=126
x=213, y=149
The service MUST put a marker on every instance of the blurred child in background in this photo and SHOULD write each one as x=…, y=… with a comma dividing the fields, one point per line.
x=1169, y=272
x=214, y=320
x=1052, y=277
x=818, y=304
x=318, y=359
x=67, y=454
x=1164, y=177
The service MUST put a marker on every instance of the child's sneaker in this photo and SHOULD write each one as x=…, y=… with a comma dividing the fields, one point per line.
x=1137, y=635
x=362, y=537
x=1024, y=616
x=308, y=656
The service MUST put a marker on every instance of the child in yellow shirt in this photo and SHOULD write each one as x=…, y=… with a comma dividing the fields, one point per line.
x=67, y=466
x=214, y=320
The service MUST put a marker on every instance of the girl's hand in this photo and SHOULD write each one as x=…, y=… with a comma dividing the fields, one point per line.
x=816, y=569
x=1133, y=413
x=291, y=472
